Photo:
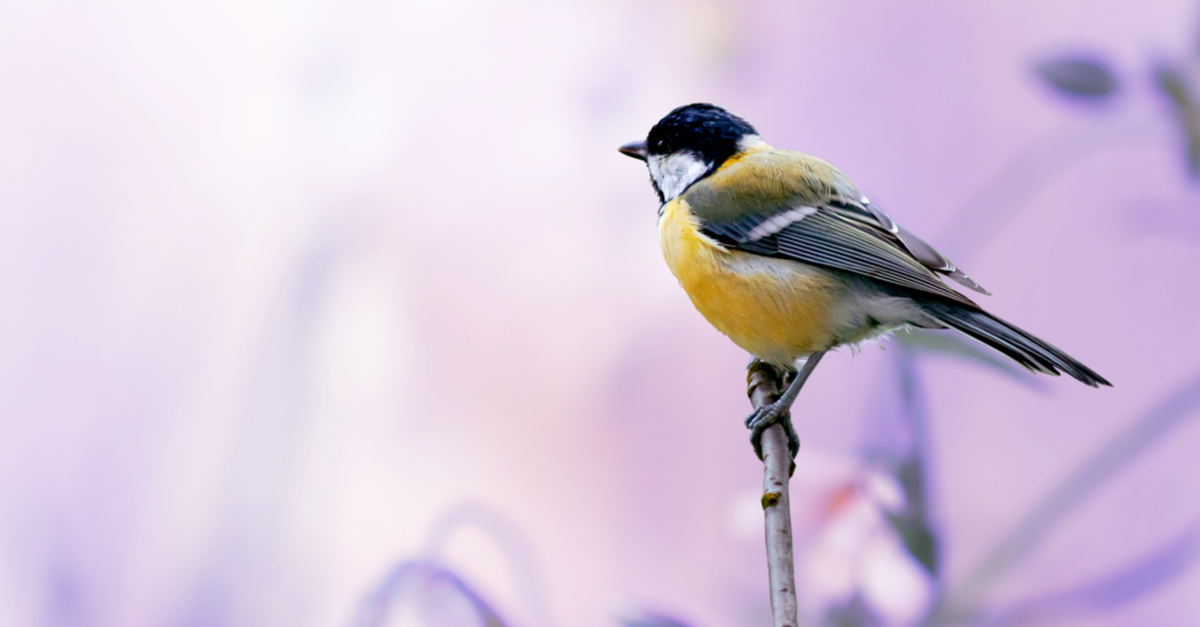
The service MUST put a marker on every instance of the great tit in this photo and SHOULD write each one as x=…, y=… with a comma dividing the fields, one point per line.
x=783, y=254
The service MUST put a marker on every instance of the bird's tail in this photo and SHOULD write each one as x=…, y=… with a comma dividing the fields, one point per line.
x=1022, y=347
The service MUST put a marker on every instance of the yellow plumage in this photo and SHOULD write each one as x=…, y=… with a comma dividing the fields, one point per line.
x=775, y=309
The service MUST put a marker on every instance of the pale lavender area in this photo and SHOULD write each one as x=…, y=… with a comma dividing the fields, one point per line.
x=295, y=292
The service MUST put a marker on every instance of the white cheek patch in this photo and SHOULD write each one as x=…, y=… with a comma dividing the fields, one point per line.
x=779, y=222
x=674, y=173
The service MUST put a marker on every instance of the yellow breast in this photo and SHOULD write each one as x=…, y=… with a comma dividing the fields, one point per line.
x=776, y=309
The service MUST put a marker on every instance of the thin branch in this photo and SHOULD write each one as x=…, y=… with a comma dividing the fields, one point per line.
x=763, y=385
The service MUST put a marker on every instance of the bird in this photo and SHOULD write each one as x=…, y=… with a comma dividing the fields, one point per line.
x=780, y=251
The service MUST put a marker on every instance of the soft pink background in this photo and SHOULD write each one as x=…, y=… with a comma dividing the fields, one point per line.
x=284, y=283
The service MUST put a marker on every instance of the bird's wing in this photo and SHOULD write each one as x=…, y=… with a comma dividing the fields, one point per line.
x=787, y=204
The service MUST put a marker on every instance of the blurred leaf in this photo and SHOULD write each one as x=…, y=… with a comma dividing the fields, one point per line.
x=960, y=346
x=1114, y=590
x=1079, y=77
x=918, y=539
x=1177, y=89
x=1171, y=82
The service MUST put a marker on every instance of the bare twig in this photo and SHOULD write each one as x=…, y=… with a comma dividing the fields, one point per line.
x=763, y=385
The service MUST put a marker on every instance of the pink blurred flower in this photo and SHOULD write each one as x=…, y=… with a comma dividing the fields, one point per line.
x=847, y=551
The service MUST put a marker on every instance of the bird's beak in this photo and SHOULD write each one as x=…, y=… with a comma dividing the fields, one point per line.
x=636, y=149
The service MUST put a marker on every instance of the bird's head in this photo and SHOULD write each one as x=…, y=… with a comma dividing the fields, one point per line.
x=690, y=143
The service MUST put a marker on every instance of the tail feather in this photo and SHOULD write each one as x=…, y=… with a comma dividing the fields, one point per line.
x=1027, y=350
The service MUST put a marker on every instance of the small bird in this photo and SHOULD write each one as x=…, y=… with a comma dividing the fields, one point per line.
x=781, y=252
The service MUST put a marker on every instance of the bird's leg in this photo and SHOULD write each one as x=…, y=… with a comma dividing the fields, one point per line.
x=779, y=412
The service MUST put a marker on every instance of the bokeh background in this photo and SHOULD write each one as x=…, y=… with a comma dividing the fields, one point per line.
x=300, y=294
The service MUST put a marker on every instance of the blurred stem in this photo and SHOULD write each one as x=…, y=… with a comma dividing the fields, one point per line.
x=1007, y=192
x=1081, y=483
x=512, y=541
x=1130, y=582
x=915, y=524
x=764, y=383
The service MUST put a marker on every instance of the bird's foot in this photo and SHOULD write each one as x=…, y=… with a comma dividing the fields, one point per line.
x=764, y=417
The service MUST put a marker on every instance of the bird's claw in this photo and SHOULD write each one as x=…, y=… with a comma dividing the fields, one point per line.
x=764, y=417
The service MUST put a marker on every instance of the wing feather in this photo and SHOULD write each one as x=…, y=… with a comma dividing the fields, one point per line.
x=825, y=239
x=802, y=208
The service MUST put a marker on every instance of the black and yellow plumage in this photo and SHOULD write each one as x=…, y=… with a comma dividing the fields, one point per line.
x=780, y=251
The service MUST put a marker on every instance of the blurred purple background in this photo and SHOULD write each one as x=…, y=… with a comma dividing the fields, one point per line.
x=294, y=292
